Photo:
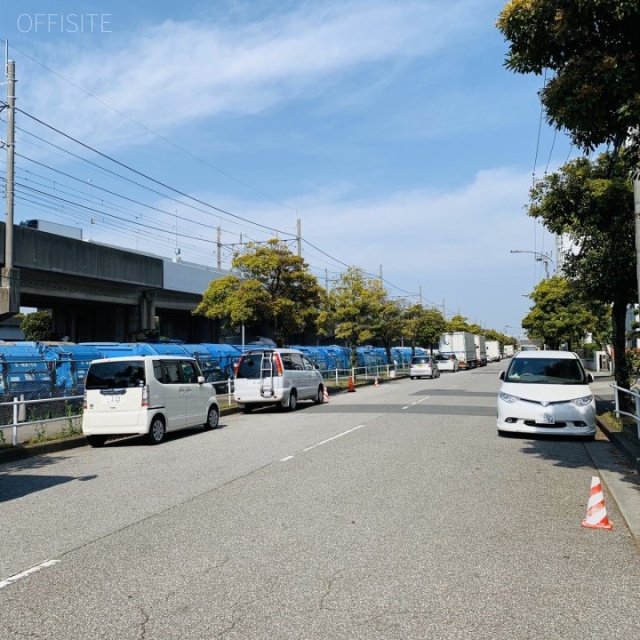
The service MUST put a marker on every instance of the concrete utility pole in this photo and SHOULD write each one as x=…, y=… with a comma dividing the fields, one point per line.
x=10, y=278
x=219, y=245
x=636, y=208
x=299, y=237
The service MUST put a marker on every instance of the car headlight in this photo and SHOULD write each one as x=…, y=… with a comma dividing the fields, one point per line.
x=583, y=402
x=505, y=397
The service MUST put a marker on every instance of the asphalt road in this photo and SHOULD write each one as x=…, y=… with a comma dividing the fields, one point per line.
x=390, y=513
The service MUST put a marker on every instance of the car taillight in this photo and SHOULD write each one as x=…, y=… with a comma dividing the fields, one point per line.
x=276, y=359
x=145, y=396
x=237, y=368
x=84, y=400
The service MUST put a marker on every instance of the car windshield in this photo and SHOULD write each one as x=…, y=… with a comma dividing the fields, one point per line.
x=421, y=360
x=443, y=357
x=546, y=371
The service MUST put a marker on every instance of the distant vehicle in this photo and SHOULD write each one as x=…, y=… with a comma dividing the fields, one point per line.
x=146, y=395
x=528, y=347
x=276, y=377
x=493, y=351
x=508, y=350
x=546, y=392
x=481, y=350
x=424, y=365
x=53, y=227
x=463, y=345
x=447, y=362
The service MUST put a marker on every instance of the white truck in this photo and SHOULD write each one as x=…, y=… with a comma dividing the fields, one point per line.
x=493, y=351
x=463, y=345
x=508, y=350
x=54, y=227
x=481, y=350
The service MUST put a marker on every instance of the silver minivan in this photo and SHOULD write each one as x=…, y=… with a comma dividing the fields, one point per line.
x=146, y=395
x=276, y=377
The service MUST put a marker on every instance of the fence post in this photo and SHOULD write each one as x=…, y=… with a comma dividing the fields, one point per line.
x=337, y=378
x=617, y=400
x=15, y=422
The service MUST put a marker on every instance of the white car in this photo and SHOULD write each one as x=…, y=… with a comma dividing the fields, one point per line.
x=276, y=377
x=546, y=392
x=424, y=365
x=448, y=362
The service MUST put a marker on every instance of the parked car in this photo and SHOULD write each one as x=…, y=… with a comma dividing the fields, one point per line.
x=546, y=392
x=276, y=377
x=447, y=362
x=424, y=365
x=146, y=395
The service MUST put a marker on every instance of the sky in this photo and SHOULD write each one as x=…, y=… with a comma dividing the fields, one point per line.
x=388, y=132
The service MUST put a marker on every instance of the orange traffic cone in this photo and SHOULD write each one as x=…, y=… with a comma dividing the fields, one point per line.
x=376, y=383
x=351, y=385
x=596, y=510
x=326, y=395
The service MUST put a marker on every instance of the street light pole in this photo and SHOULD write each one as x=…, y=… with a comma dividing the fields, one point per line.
x=540, y=257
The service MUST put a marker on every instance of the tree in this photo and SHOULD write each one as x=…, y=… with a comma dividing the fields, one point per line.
x=38, y=326
x=272, y=286
x=386, y=317
x=591, y=49
x=592, y=202
x=559, y=315
x=423, y=327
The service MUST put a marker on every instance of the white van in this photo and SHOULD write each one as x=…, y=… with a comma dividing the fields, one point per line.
x=276, y=376
x=146, y=395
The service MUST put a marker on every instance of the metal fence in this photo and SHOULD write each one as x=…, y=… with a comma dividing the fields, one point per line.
x=636, y=396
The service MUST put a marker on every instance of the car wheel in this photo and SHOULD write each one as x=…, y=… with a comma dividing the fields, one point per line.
x=319, y=399
x=213, y=418
x=247, y=408
x=412, y=377
x=156, y=431
x=96, y=441
x=293, y=401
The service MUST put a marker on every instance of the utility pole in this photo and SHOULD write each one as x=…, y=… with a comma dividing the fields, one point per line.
x=219, y=246
x=10, y=279
x=299, y=237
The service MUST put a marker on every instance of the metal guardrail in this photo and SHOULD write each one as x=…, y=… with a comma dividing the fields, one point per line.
x=618, y=412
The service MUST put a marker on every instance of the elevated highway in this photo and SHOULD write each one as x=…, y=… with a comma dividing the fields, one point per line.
x=99, y=292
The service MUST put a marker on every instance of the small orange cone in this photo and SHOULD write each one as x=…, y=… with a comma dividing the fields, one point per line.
x=326, y=395
x=376, y=383
x=351, y=388
x=596, y=510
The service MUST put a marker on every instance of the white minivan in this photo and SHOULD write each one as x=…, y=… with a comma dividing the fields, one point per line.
x=146, y=395
x=276, y=377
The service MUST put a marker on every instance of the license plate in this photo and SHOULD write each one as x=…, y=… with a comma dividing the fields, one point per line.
x=112, y=399
x=546, y=418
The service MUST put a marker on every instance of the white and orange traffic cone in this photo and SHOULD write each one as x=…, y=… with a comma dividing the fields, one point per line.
x=352, y=387
x=376, y=383
x=326, y=395
x=596, y=509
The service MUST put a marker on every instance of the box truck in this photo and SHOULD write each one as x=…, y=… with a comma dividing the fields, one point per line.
x=53, y=227
x=463, y=345
x=508, y=350
x=481, y=350
x=493, y=351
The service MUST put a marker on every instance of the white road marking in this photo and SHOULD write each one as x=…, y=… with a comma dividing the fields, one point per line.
x=318, y=444
x=416, y=402
x=27, y=573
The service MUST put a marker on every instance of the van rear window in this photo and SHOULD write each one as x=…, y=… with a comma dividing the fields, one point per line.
x=250, y=366
x=115, y=375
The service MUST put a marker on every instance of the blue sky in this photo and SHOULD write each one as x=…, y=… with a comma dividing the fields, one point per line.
x=390, y=129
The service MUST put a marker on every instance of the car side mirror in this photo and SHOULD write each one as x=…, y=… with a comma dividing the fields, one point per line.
x=502, y=375
x=200, y=379
x=589, y=377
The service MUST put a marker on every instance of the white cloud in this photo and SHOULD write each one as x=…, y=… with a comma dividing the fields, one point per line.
x=173, y=73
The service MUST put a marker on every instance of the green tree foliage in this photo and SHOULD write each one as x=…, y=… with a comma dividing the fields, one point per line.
x=38, y=326
x=592, y=202
x=591, y=49
x=558, y=315
x=272, y=286
x=423, y=327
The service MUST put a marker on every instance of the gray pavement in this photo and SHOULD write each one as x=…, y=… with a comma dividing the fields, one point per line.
x=618, y=464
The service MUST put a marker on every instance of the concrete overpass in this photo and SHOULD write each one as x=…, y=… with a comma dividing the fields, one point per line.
x=98, y=292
